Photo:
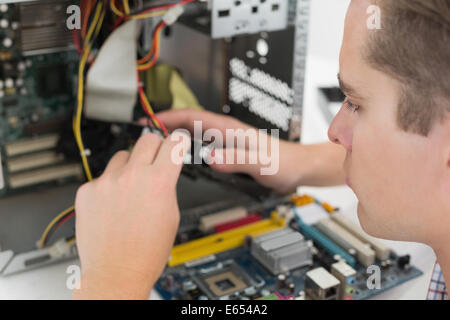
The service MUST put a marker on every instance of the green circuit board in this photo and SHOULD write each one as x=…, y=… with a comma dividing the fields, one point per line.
x=37, y=90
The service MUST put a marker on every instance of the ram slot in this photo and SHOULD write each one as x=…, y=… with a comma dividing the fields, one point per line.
x=324, y=242
x=365, y=255
x=381, y=250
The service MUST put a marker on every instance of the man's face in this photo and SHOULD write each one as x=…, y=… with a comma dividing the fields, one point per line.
x=396, y=175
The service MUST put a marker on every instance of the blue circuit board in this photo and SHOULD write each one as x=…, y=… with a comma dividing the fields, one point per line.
x=184, y=282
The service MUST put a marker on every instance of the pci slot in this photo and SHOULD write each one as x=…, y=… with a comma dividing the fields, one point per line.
x=223, y=241
x=382, y=251
x=29, y=178
x=324, y=242
x=366, y=256
x=31, y=145
x=32, y=161
x=208, y=222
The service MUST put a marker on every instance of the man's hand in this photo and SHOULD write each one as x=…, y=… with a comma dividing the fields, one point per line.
x=315, y=165
x=127, y=219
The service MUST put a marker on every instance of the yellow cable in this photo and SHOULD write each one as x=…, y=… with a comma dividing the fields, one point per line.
x=115, y=10
x=71, y=241
x=80, y=97
x=95, y=27
x=100, y=23
x=151, y=63
x=126, y=6
x=148, y=15
x=54, y=221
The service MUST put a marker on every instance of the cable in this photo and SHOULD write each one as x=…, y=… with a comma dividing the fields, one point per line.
x=154, y=50
x=148, y=108
x=126, y=7
x=115, y=10
x=148, y=15
x=94, y=29
x=60, y=216
x=76, y=40
x=98, y=19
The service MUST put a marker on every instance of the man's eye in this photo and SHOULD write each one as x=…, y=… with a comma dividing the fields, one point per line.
x=351, y=106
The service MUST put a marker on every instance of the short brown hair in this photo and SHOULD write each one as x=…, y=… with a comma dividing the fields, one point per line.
x=413, y=46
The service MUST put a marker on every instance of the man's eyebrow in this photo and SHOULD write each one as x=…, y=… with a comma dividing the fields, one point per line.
x=346, y=88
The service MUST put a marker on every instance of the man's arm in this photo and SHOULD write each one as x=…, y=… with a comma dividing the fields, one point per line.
x=307, y=165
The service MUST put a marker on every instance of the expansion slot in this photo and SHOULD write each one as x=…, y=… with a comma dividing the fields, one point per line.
x=323, y=241
x=31, y=145
x=37, y=176
x=210, y=221
x=223, y=241
x=366, y=256
x=36, y=160
x=381, y=250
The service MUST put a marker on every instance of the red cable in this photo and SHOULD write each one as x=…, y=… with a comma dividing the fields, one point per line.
x=154, y=118
x=76, y=40
x=65, y=219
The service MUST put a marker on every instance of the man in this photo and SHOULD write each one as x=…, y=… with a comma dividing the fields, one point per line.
x=393, y=132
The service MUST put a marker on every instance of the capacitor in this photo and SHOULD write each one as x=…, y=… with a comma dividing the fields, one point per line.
x=281, y=281
x=14, y=25
x=3, y=8
x=7, y=42
x=21, y=66
x=19, y=82
x=9, y=83
x=291, y=288
x=4, y=23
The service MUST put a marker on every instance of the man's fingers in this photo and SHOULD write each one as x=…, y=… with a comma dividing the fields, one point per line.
x=235, y=161
x=171, y=154
x=175, y=119
x=117, y=162
x=145, y=150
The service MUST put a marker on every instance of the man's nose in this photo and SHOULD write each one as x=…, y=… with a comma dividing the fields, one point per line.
x=341, y=129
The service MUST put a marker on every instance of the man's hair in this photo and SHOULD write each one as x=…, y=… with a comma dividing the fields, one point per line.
x=413, y=46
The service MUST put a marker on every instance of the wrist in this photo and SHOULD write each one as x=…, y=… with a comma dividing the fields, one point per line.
x=114, y=283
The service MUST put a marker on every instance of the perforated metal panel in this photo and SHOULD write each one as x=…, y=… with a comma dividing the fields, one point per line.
x=266, y=74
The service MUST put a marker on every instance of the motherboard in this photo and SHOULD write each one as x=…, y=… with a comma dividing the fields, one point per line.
x=274, y=254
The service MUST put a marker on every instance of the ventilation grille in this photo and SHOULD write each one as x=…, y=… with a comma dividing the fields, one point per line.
x=264, y=95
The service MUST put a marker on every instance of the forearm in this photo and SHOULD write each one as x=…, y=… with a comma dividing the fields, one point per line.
x=318, y=165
